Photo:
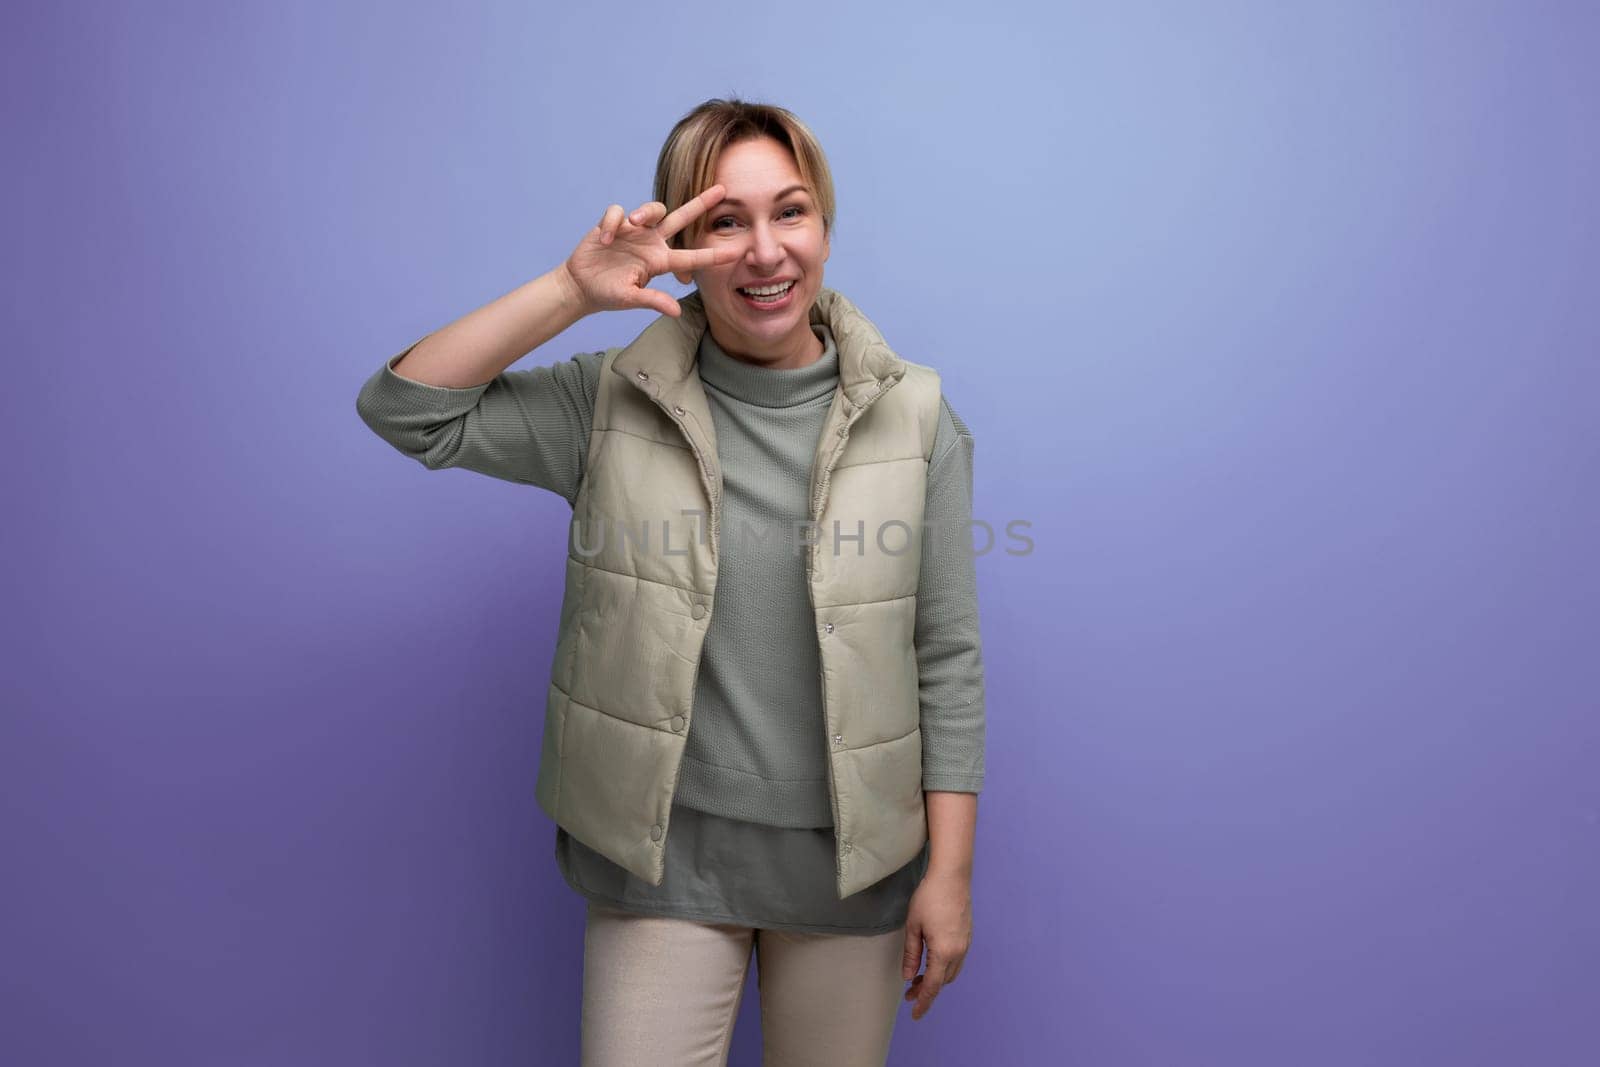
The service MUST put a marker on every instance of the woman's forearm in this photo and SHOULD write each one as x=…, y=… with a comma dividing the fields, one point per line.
x=952, y=826
x=478, y=346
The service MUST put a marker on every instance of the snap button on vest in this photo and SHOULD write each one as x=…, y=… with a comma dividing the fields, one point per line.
x=677, y=409
x=698, y=611
x=643, y=377
x=677, y=724
x=655, y=832
x=827, y=627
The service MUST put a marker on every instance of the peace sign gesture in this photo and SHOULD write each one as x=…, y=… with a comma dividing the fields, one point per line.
x=612, y=266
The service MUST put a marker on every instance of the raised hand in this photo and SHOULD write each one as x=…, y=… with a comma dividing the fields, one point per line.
x=612, y=266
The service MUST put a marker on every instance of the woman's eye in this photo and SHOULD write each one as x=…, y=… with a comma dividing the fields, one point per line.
x=717, y=224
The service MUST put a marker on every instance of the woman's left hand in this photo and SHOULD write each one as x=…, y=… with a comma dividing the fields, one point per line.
x=940, y=916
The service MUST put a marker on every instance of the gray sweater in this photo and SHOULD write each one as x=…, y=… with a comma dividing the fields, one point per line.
x=754, y=771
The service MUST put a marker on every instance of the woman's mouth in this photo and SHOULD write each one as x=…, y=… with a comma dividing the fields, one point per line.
x=768, y=297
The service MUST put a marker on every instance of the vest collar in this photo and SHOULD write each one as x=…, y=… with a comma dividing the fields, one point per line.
x=661, y=361
x=666, y=350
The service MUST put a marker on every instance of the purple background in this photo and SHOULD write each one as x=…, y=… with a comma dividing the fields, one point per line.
x=1277, y=321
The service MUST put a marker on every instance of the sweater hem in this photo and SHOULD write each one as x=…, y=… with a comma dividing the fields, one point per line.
x=673, y=911
x=795, y=804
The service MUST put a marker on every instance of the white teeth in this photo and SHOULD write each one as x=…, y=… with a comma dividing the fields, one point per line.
x=768, y=290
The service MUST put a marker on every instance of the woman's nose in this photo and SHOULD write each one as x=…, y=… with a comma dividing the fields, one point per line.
x=764, y=246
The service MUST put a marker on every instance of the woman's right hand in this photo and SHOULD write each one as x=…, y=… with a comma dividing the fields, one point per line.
x=612, y=266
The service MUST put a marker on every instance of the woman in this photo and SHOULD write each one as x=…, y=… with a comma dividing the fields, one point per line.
x=808, y=604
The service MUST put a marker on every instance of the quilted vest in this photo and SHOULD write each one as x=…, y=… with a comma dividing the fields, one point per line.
x=641, y=584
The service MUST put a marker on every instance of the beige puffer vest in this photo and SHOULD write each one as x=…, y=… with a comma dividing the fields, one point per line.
x=635, y=610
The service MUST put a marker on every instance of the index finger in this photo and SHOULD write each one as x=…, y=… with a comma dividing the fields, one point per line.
x=693, y=259
x=690, y=210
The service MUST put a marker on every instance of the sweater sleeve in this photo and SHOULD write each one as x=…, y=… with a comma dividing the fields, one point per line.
x=529, y=426
x=949, y=649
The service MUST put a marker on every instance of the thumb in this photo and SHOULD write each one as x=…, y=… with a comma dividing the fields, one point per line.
x=912, y=959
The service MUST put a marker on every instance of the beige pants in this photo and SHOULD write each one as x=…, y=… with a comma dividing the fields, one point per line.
x=665, y=992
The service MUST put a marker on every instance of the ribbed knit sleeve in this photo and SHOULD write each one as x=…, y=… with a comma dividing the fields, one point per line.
x=529, y=426
x=949, y=649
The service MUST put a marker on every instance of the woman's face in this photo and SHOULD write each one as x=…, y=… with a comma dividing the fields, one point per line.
x=769, y=217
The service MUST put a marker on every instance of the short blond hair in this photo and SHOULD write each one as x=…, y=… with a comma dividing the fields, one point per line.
x=688, y=161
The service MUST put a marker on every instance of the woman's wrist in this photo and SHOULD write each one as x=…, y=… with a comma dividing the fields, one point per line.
x=952, y=825
x=572, y=297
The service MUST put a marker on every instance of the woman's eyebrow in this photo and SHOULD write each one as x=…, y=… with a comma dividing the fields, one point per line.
x=740, y=203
